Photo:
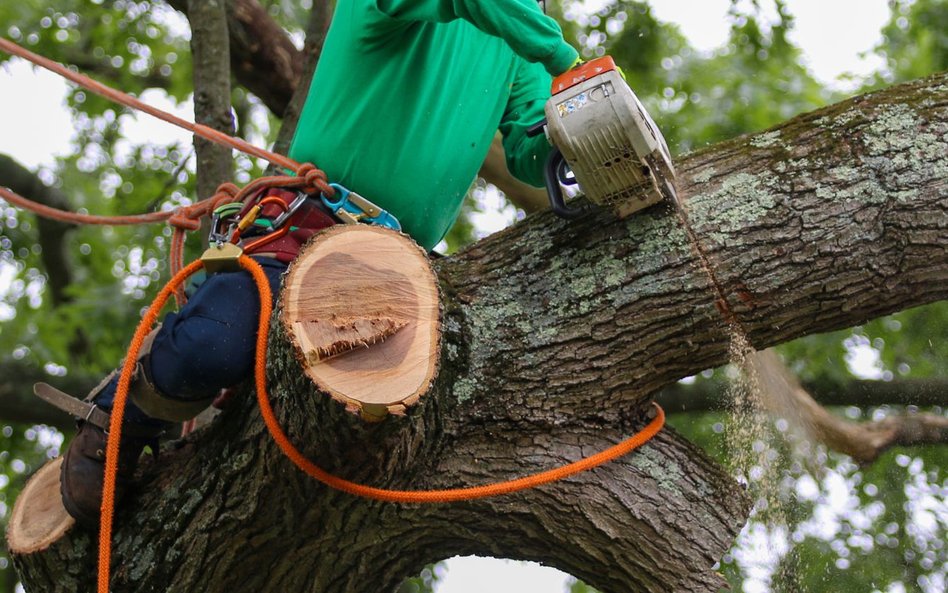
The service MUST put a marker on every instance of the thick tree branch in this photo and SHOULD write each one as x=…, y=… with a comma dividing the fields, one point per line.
x=262, y=55
x=833, y=218
x=51, y=233
x=555, y=332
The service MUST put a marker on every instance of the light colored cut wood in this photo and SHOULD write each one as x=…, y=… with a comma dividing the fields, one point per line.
x=39, y=517
x=360, y=305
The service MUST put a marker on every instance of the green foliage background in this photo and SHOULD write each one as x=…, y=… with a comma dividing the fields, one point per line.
x=842, y=528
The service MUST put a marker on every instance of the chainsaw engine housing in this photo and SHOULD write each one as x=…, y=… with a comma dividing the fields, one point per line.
x=605, y=135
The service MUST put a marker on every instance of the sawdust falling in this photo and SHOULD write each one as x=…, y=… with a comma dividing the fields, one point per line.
x=752, y=445
x=748, y=436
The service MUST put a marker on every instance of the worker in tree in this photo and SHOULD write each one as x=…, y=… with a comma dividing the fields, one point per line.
x=402, y=109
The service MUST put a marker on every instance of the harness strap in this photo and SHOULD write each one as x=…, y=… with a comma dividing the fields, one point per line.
x=85, y=411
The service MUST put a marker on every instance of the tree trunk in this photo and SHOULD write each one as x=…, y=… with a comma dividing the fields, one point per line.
x=555, y=335
x=211, y=53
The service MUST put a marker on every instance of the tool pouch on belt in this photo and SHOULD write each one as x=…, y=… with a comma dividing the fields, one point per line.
x=146, y=396
x=304, y=223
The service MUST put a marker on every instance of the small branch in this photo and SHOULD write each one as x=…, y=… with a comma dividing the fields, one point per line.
x=783, y=396
x=170, y=181
x=707, y=395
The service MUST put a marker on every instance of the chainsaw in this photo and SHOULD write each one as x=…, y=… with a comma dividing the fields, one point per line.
x=604, y=141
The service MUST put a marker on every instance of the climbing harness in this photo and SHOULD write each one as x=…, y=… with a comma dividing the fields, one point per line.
x=235, y=231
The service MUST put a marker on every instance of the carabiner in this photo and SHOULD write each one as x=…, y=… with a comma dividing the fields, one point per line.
x=351, y=208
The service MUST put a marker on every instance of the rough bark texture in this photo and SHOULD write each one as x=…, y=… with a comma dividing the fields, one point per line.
x=555, y=335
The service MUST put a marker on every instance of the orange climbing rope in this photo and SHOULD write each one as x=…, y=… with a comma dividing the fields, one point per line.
x=117, y=417
x=269, y=418
x=309, y=179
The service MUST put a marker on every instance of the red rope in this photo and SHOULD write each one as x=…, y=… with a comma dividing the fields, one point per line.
x=76, y=218
x=309, y=179
x=129, y=101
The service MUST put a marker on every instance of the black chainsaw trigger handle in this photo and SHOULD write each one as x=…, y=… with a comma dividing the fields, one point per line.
x=555, y=169
x=536, y=129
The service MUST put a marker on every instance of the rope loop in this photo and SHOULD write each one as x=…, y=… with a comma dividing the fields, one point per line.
x=316, y=180
x=186, y=218
x=228, y=189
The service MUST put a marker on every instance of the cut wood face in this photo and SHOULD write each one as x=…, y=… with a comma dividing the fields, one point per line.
x=39, y=517
x=361, y=307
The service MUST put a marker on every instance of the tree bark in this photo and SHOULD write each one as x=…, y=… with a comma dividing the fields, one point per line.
x=555, y=335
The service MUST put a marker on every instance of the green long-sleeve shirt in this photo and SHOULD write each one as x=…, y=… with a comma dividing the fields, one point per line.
x=408, y=94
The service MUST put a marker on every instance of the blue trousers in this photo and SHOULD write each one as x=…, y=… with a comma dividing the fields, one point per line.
x=206, y=346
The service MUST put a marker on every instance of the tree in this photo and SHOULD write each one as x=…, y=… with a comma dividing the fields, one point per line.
x=109, y=346
x=523, y=390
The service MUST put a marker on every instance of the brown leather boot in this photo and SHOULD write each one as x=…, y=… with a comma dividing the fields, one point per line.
x=83, y=471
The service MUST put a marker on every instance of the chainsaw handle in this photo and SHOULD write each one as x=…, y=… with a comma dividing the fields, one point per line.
x=551, y=176
x=536, y=129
